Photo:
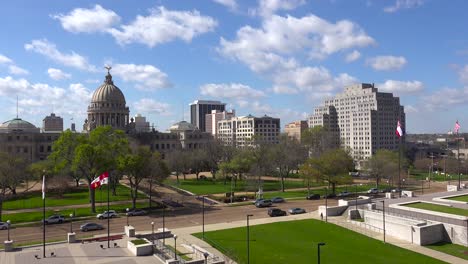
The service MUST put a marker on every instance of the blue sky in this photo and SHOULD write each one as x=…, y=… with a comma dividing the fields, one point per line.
x=275, y=57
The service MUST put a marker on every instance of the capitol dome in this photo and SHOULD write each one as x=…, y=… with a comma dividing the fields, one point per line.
x=108, y=93
x=182, y=126
x=18, y=124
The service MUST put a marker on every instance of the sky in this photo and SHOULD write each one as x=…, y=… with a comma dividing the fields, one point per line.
x=281, y=58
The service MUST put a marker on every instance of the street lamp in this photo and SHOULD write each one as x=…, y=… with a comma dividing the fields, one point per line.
x=326, y=205
x=152, y=232
x=403, y=183
x=71, y=223
x=383, y=210
x=203, y=218
x=164, y=225
x=8, y=226
x=127, y=215
x=248, y=239
x=318, y=251
x=355, y=193
x=175, y=247
x=205, y=254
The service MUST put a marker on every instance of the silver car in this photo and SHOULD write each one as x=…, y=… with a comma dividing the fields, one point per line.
x=54, y=219
x=3, y=225
x=91, y=226
x=110, y=214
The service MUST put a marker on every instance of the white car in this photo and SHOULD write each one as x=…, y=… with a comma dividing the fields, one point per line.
x=3, y=225
x=110, y=214
x=54, y=219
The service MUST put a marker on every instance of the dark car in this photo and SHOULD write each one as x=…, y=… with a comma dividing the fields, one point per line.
x=90, y=226
x=313, y=196
x=276, y=212
x=296, y=211
x=263, y=203
x=277, y=200
x=136, y=212
x=328, y=196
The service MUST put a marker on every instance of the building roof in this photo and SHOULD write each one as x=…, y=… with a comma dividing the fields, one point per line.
x=182, y=126
x=108, y=93
x=18, y=124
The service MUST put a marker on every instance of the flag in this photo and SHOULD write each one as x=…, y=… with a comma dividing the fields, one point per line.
x=43, y=187
x=100, y=180
x=457, y=127
x=399, y=131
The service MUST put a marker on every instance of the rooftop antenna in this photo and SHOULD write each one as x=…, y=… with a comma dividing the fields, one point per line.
x=183, y=114
x=17, y=106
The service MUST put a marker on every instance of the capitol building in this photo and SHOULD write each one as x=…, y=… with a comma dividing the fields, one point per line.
x=107, y=107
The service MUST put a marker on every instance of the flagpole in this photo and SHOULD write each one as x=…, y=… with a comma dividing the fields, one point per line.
x=458, y=161
x=399, y=167
x=43, y=215
x=108, y=217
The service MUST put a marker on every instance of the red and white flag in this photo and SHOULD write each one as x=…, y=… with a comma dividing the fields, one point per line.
x=399, y=131
x=43, y=187
x=100, y=180
x=457, y=127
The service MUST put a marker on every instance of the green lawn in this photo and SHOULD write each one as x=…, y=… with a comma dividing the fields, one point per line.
x=80, y=212
x=76, y=196
x=438, y=208
x=452, y=249
x=362, y=189
x=462, y=198
x=296, y=242
x=423, y=175
x=211, y=187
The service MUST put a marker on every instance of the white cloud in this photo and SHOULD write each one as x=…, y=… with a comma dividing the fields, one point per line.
x=411, y=109
x=151, y=106
x=354, y=55
x=463, y=73
x=231, y=4
x=58, y=74
x=403, y=4
x=4, y=59
x=48, y=49
x=268, y=7
x=96, y=19
x=13, y=69
x=230, y=91
x=401, y=87
x=164, y=25
x=386, y=63
x=146, y=77
x=446, y=98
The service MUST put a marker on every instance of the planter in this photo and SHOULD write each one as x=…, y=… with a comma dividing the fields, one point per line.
x=140, y=249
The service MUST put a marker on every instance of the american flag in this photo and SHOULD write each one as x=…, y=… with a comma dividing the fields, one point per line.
x=457, y=127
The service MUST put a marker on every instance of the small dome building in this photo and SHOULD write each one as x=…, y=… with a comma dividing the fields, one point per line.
x=18, y=125
x=107, y=107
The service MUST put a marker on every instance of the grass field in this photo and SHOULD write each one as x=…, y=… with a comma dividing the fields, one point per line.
x=76, y=196
x=452, y=249
x=211, y=187
x=303, y=193
x=17, y=218
x=437, y=177
x=438, y=208
x=461, y=198
x=296, y=242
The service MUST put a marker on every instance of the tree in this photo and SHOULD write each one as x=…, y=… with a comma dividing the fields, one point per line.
x=318, y=140
x=158, y=171
x=64, y=152
x=177, y=162
x=310, y=170
x=383, y=163
x=286, y=157
x=214, y=154
x=12, y=172
x=198, y=161
x=334, y=166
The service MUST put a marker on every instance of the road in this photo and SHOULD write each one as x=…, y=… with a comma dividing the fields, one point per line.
x=189, y=215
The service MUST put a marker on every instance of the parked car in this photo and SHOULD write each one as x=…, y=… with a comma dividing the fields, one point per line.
x=328, y=196
x=136, y=212
x=277, y=200
x=373, y=191
x=344, y=194
x=54, y=219
x=257, y=200
x=276, y=212
x=110, y=214
x=385, y=190
x=396, y=190
x=263, y=203
x=313, y=196
x=296, y=211
x=91, y=226
x=3, y=225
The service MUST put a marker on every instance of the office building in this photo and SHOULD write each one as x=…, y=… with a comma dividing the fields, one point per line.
x=361, y=119
x=200, y=108
x=212, y=119
x=52, y=123
x=141, y=125
x=296, y=129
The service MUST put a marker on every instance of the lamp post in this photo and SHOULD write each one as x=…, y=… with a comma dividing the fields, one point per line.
x=203, y=218
x=383, y=211
x=205, y=254
x=71, y=223
x=355, y=193
x=326, y=205
x=8, y=229
x=127, y=210
x=164, y=225
x=318, y=251
x=248, y=239
x=152, y=232
x=175, y=247
x=404, y=180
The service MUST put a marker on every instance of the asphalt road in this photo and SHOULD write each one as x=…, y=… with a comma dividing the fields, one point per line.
x=189, y=215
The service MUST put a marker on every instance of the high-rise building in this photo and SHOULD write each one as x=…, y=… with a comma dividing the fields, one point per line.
x=295, y=129
x=361, y=119
x=244, y=131
x=52, y=123
x=140, y=124
x=212, y=119
x=200, y=108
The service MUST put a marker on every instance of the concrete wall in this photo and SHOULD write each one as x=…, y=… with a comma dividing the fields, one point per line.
x=360, y=200
x=428, y=234
x=331, y=210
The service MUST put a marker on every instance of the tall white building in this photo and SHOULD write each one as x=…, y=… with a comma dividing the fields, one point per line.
x=361, y=119
x=241, y=131
x=212, y=119
x=200, y=108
